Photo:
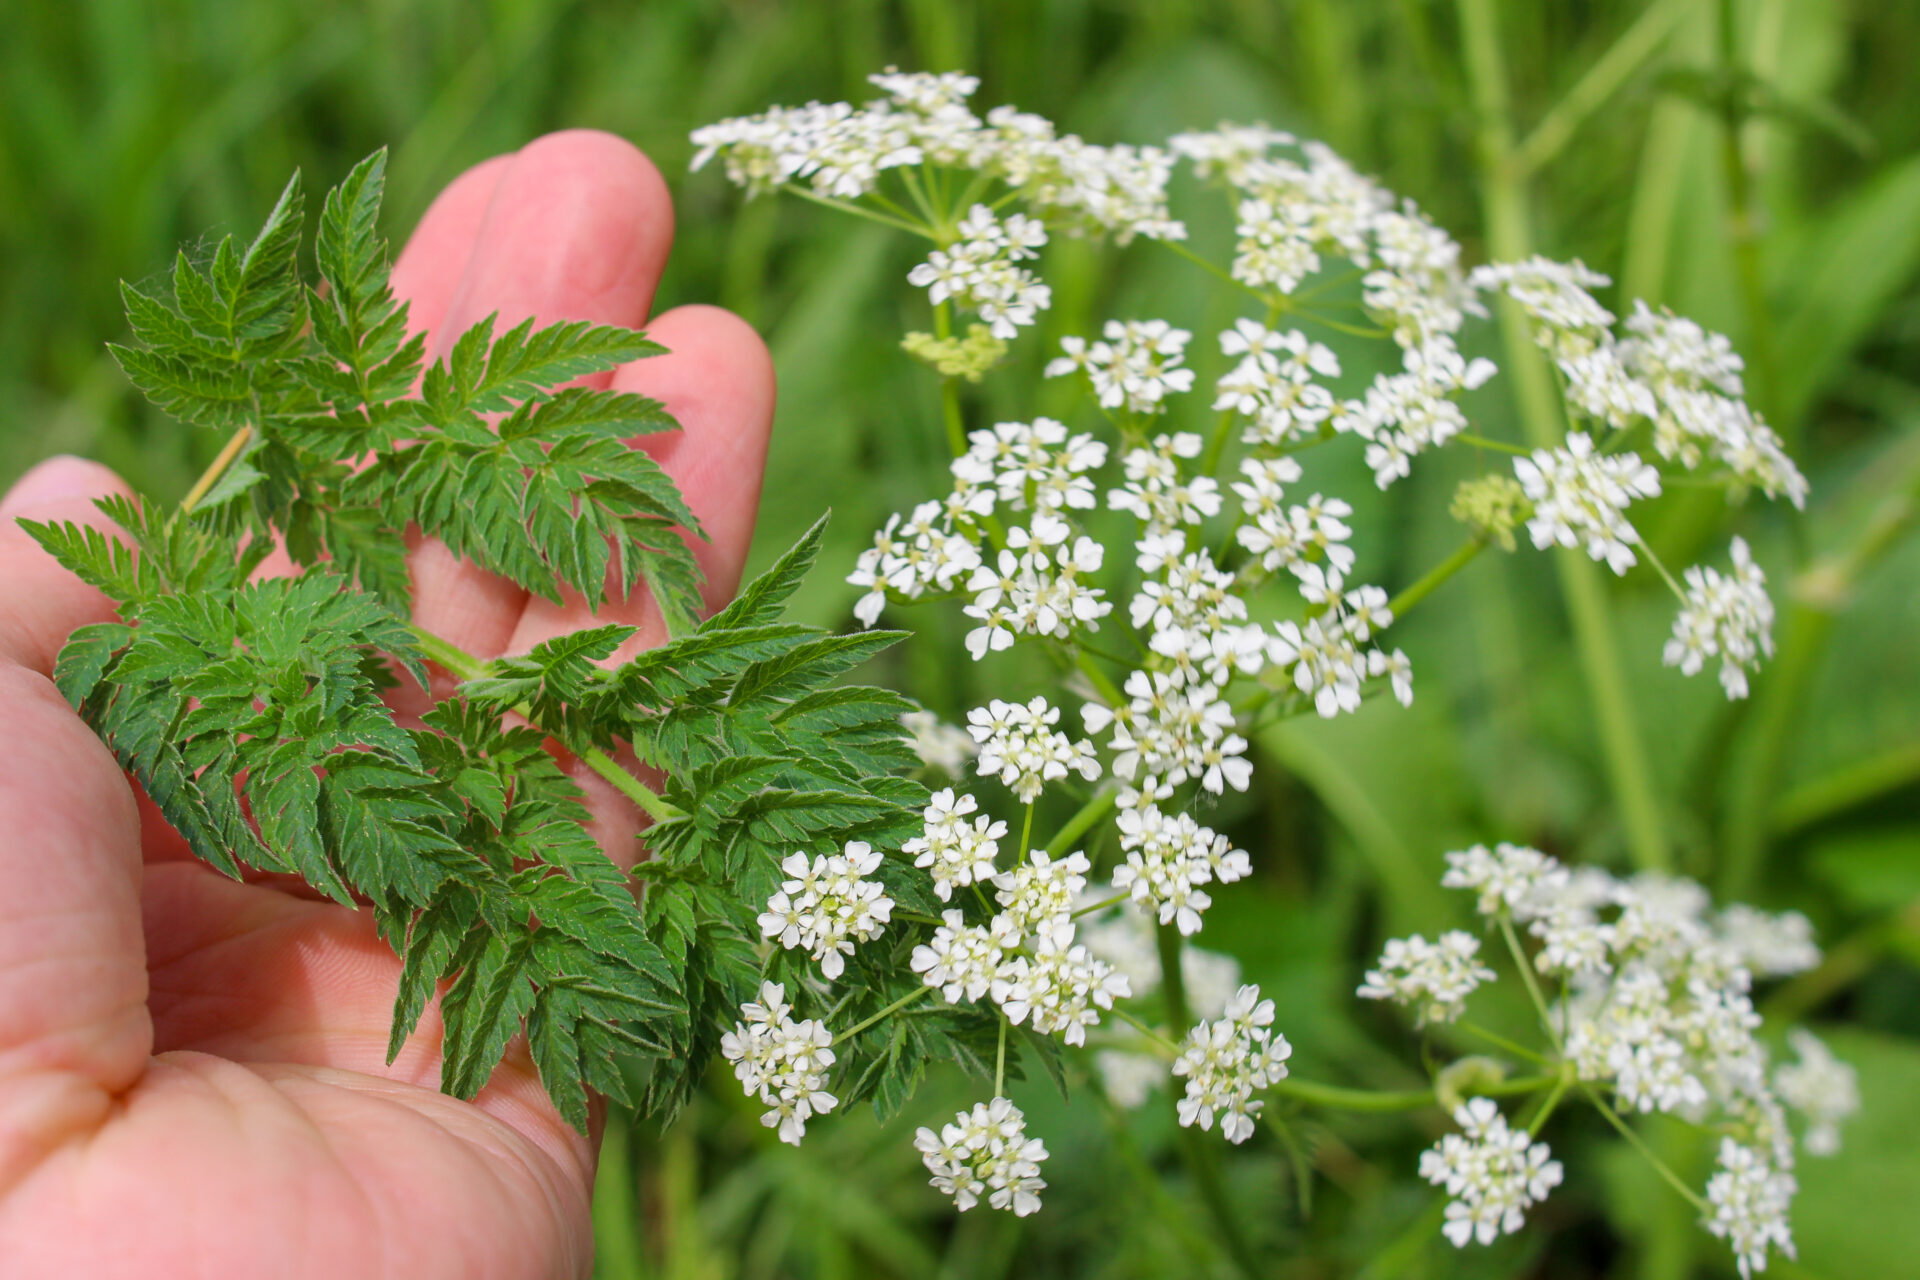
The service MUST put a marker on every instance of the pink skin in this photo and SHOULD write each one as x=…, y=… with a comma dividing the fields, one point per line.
x=192, y=1071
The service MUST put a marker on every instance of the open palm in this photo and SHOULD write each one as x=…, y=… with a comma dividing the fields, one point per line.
x=192, y=1071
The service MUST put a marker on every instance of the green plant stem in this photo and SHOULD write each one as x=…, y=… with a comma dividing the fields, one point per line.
x=1082, y=822
x=1200, y=1158
x=237, y=442
x=1338, y=1098
x=893, y=1008
x=1026, y=834
x=1109, y=692
x=1425, y=585
x=1744, y=231
x=1540, y=1117
x=1525, y=967
x=1850, y=785
x=1101, y=905
x=1820, y=596
x=616, y=1205
x=1602, y=80
x=1640, y=1144
x=1167, y=1046
x=1214, y=268
x=860, y=211
x=1500, y=1042
x=1509, y=240
x=467, y=667
x=1000, y=1062
x=1498, y=446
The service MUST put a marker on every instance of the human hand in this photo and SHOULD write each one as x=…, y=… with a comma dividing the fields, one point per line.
x=192, y=1070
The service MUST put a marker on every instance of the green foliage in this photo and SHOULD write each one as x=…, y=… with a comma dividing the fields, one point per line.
x=253, y=711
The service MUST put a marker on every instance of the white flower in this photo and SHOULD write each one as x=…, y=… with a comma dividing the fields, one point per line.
x=1434, y=978
x=1061, y=987
x=782, y=1062
x=1555, y=295
x=1729, y=616
x=978, y=270
x=1493, y=1174
x=1273, y=385
x=1770, y=945
x=1156, y=492
x=985, y=1153
x=963, y=960
x=1041, y=890
x=1750, y=1198
x=1820, y=1087
x=1137, y=364
x=1168, y=859
x=826, y=906
x=957, y=852
x=1580, y=497
x=1510, y=878
x=1018, y=746
x=939, y=745
x=1227, y=1061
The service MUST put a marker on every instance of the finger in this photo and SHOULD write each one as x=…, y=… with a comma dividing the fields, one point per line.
x=74, y=1029
x=40, y=602
x=578, y=229
x=428, y=271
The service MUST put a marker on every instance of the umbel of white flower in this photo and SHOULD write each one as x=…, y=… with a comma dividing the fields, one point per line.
x=781, y=1062
x=953, y=850
x=1432, y=978
x=826, y=905
x=985, y=1154
x=1493, y=1174
x=1727, y=616
x=1018, y=746
x=1659, y=1011
x=1229, y=1060
x=1750, y=1196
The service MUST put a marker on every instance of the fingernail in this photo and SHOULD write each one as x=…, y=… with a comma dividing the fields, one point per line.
x=60, y=477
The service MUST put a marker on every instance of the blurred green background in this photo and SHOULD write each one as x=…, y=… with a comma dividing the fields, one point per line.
x=130, y=127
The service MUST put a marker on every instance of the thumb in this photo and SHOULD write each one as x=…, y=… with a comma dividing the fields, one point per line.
x=74, y=1027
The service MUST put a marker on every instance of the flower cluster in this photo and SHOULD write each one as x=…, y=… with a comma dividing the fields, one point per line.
x=1169, y=858
x=1432, y=978
x=842, y=151
x=1668, y=372
x=1580, y=498
x=1659, y=1012
x=979, y=270
x=1019, y=746
x=1727, y=616
x=986, y=1153
x=826, y=906
x=1227, y=1061
x=1235, y=559
x=1820, y=1087
x=1494, y=1174
x=782, y=1062
x=952, y=850
x=1135, y=367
